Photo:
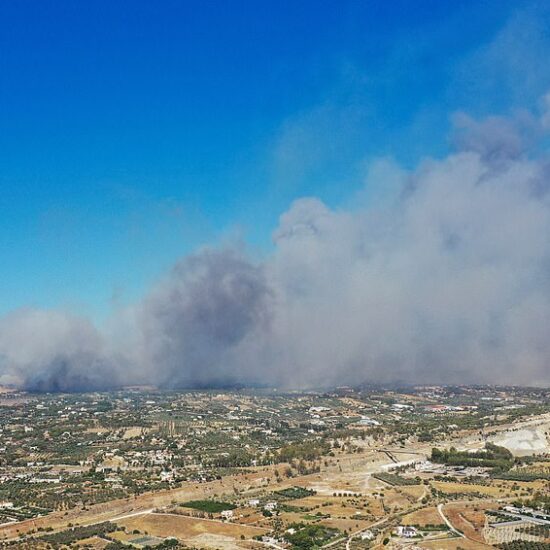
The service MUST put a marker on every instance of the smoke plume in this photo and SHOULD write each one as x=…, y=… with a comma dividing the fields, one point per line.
x=447, y=279
x=54, y=351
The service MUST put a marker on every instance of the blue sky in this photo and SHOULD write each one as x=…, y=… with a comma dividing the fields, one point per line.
x=132, y=133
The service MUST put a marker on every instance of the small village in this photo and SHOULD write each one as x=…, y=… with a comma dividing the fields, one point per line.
x=427, y=466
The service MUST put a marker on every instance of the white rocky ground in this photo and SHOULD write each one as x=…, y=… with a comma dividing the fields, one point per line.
x=524, y=441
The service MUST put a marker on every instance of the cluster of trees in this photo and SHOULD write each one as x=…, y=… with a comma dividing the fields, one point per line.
x=433, y=527
x=394, y=479
x=522, y=476
x=536, y=530
x=524, y=545
x=308, y=537
x=166, y=544
x=492, y=456
x=236, y=458
x=308, y=450
x=208, y=506
x=78, y=533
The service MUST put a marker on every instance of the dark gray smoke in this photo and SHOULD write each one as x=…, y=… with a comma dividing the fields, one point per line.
x=447, y=279
x=53, y=351
x=196, y=321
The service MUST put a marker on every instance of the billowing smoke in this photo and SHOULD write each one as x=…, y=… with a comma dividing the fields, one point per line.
x=444, y=279
x=195, y=323
x=54, y=351
x=449, y=283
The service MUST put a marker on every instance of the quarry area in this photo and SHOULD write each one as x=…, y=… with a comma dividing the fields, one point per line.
x=348, y=469
x=525, y=441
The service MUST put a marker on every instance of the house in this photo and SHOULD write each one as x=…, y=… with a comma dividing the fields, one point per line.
x=406, y=531
x=45, y=480
x=401, y=407
x=366, y=421
x=254, y=502
x=227, y=514
x=167, y=476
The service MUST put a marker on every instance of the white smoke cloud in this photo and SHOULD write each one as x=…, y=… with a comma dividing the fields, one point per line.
x=450, y=283
x=445, y=279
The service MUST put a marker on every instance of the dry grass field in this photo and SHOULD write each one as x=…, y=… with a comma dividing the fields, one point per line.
x=347, y=507
x=415, y=491
x=193, y=531
x=349, y=525
x=425, y=516
x=497, y=488
x=468, y=519
x=459, y=488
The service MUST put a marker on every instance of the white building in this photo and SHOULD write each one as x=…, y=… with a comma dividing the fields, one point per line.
x=227, y=514
x=406, y=531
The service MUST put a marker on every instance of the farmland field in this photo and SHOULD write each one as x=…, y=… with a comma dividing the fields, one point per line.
x=190, y=530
